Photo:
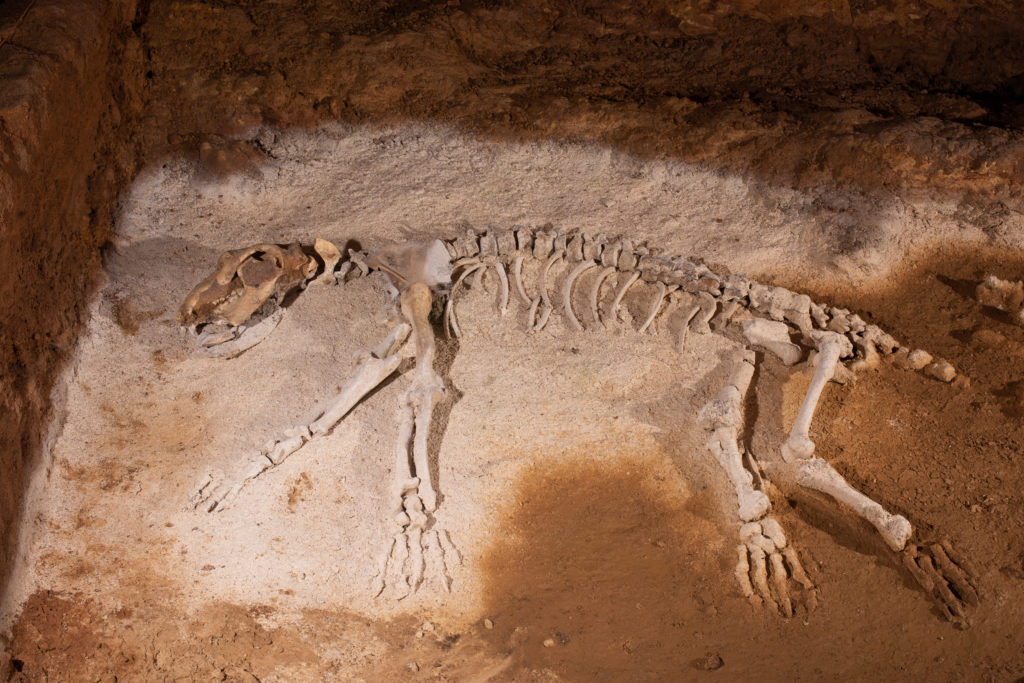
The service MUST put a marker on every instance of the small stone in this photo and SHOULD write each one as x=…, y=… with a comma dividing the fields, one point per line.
x=488, y=624
x=712, y=662
x=413, y=667
x=941, y=370
x=549, y=642
x=919, y=358
x=427, y=626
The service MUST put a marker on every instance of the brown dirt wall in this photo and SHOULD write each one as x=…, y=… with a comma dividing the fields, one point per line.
x=67, y=100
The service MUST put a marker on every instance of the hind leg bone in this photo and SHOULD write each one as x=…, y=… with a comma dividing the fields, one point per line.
x=766, y=562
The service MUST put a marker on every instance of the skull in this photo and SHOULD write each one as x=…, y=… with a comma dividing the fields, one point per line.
x=244, y=280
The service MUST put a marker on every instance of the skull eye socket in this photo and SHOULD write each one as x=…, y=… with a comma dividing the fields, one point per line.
x=257, y=269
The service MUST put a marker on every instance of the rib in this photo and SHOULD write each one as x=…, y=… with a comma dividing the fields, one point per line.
x=567, y=293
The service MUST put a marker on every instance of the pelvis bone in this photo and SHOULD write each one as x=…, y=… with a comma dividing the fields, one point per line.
x=244, y=280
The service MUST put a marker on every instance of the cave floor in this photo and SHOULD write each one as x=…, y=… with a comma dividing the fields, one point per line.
x=596, y=531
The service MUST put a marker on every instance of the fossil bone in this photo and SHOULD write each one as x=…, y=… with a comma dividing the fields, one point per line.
x=542, y=288
x=517, y=279
x=831, y=347
x=820, y=476
x=503, y=288
x=570, y=316
x=722, y=417
x=595, y=292
x=774, y=336
x=449, y=309
x=217, y=492
x=656, y=304
x=417, y=548
x=330, y=256
x=243, y=280
x=613, y=311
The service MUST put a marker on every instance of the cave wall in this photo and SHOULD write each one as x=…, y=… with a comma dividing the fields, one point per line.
x=68, y=101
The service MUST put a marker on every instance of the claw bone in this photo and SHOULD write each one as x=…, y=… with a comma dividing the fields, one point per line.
x=831, y=347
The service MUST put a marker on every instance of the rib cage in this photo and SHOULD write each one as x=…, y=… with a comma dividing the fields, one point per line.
x=713, y=297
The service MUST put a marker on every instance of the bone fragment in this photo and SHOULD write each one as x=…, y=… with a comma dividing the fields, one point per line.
x=831, y=346
x=330, y=255
x=506, y=242
x=656, y=304
x=531, y=315
x=759, y=574
x=542, y=243
x=610, y=255
x=612, y=313
x=820, y=476
x=595, y=292
x=1004, y=295
x=870, y=358
x=905, y=359
x=737, y=288
x=773, y=336
x=779, y=589
x=574, y=249
x=593, y=246
x=583, y=267
x=819, y=313
x=956, y=576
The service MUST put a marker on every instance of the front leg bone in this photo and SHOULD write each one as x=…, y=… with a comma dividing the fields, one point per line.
x=418, y=546
x=373, y=368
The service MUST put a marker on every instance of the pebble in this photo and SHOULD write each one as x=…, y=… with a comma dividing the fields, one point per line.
x=919, y=358
x=488, y=624
x=412, y=666
x=711, y=663
x=549, y=642
x=940, y=370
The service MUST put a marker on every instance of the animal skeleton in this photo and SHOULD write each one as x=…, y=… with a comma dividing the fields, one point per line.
x=255, y=281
